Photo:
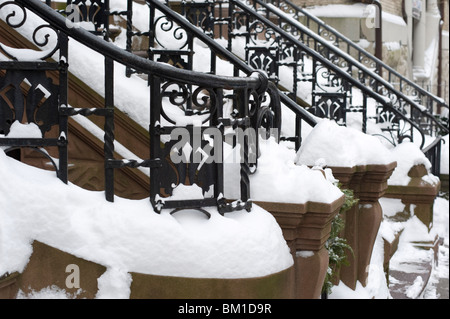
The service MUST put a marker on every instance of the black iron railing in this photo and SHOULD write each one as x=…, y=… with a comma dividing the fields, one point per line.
x=181, y=33
x=199, y=99
x=398, y=81
x=407, y=102
x=266, y=46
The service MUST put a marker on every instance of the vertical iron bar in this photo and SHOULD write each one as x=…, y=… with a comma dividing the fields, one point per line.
x=155, y=109
x=230, y=25
x=298, y=132
x=107, y=15
x=63, y=97
x=129, y=32
x=295, y=81
x=243, y=104
x=109, y=129
x=364, y=121
x=219, y=187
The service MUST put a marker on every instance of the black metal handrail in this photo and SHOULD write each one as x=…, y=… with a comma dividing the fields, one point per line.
x=299, y=111
x=335, y=54
x=281, y=35
x=238, y=64
x=143, y=65
x=404, y=84
x=168, y=87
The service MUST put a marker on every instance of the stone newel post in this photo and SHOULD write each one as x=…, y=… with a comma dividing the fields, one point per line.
x=362, y=222
x=306, y=228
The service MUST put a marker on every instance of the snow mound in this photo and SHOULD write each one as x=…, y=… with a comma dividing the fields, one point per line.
x=127, y=234
x=408, y=155
x=339, y=146
x=279, y=179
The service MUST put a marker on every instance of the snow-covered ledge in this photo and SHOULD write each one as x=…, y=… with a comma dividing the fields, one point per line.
x=363, y=164
x=413, y=183
x=41, y=217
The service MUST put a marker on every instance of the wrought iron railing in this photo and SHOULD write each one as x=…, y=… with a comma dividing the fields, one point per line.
x=211, y=25
x=268, y=47
x=181, y=33
x=405, y=104
x=398, y=81
x=424, y=107
x=29, y=97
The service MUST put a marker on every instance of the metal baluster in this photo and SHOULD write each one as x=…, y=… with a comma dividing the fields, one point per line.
x=63, y=95
x=109, y=129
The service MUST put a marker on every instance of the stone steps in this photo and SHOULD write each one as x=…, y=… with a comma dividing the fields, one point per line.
x=408, y=278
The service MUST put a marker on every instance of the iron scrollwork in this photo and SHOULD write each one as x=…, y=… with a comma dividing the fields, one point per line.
x=92, y=11
x=44, y=36
x=28, y=97
x=29, y=93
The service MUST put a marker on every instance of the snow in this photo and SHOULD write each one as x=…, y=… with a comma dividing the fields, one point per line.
x=127, y=235
x=407, y=155
x=342, y=147
x=413, y=231
x=300, y=184
x=19, y=130
x=52, y=292
x=357, y=10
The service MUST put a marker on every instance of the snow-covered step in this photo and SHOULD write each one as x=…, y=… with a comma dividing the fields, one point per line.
x=409, y=276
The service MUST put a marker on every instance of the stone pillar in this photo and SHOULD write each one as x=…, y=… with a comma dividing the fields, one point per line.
x=419, y=40
x=306, y=228
x=362, y=222
x=419, y=195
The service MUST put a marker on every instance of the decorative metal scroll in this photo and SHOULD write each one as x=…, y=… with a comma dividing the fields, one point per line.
x=350, y=57
x=187, y=137
x=331, y=106
x=199, y=14
x=395, y=128
x=265, y=59
x=28, y=92
x=28, y=96
x=43, y=36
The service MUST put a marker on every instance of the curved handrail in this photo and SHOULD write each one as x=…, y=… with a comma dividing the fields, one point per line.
x=58, y=22
x=380, y=80
x=244, y=67
x=343, y=38
x=229, y=56
x=330, y=65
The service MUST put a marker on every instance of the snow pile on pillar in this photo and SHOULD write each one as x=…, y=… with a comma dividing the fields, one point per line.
x=337, y=146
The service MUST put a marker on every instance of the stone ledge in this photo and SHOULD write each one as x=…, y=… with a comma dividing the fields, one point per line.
x=369, y=182
x=47, y=268
x=305, y=226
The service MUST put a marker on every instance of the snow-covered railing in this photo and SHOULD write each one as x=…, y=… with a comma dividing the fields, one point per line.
x=274, y=37
x=193, y=105
x=399, y=81
x=268, y=47
x=172, y=38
